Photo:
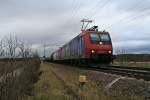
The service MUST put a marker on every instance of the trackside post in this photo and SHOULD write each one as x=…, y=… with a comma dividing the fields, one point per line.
x=82, y=82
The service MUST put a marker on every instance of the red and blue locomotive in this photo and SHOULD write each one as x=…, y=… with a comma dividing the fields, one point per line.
x=90, y=46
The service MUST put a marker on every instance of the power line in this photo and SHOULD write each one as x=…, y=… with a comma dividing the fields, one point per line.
x=99, y=8
x=94, y=7
x=130, y=16
x=140, y=16
x=73, y=11
x=76, y=11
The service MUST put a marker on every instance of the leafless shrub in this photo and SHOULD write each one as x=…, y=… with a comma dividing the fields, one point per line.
x=17, y=76
x=15, y=86
x=11, y=47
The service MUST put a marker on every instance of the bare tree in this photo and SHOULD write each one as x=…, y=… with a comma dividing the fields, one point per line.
x=2, y=52
x=21, y=46
x=27, y=52
x=11, y=46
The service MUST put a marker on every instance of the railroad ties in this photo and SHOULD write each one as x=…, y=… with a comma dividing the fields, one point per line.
x=134, y=72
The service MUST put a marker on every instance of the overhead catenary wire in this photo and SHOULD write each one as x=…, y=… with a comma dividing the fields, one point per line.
x=99, y=8
x=139, y=16
x=75, y=12
x=94, y=7
x=100, y=4
x=130, y=16
x=145, y=11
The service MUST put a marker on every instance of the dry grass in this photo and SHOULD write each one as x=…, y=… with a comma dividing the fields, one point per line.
x=94, y=89
x=133, y=64
x=49, y=87
x=18, y=86
x=71, y=78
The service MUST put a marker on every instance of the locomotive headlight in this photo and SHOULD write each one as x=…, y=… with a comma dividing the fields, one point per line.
x=93, y=51
x=109, y=51
x=100, y=43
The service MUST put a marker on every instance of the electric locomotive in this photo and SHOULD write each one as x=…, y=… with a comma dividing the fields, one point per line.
x=90, y=46
x=98, y=45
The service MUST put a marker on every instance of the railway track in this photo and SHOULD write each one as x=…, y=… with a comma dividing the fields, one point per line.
x=138, y=73
x=134, y=72
x=130, y=72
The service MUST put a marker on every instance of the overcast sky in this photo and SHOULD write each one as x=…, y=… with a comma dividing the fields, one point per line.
x=55, y=22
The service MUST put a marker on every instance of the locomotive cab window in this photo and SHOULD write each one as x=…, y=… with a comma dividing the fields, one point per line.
x=105, y=37
x=94, y=38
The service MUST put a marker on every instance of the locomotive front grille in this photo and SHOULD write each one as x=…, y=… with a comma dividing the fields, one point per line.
x=101, y=57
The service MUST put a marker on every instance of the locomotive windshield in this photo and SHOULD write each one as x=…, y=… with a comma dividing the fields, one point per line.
x=104, y=37
x=96, y=38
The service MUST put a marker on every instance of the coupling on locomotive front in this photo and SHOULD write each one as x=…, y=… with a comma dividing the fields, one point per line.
x=89, y=46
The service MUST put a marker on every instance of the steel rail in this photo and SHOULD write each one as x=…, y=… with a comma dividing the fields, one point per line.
x=126, y=71
x=134, y=72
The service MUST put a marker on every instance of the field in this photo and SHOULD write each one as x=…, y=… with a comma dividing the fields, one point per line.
x=133, y=60
x=133, y=64
x=29, y=79
x=59, y=82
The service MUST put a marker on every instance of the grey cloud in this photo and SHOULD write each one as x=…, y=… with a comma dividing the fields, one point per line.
x=132, y=5
x=21, y=8
x=49, y=21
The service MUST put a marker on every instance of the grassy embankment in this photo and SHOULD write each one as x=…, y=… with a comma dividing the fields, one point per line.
x=17, y=78
x=50, y=87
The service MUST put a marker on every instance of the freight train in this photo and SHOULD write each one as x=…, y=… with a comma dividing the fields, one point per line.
x=90, y=46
